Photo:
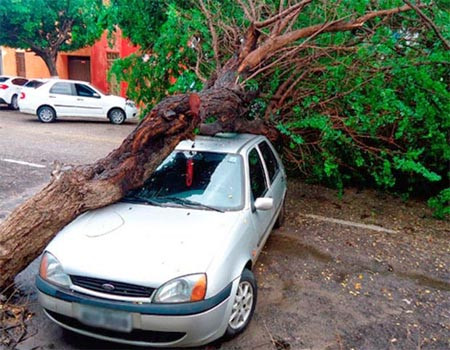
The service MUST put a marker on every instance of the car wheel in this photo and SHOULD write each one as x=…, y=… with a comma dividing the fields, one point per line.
x=46, y=114
x=243, y=305
x=116, y=116
x=281, y=216
x=14, y=103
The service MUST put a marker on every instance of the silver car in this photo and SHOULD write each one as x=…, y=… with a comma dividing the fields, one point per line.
x=171, y=264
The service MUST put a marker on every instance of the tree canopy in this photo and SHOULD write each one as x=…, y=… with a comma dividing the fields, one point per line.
x=49, y=26
x=368, y=105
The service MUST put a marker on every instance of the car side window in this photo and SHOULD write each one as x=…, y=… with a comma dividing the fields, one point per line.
x=85, y=91
x=19, y=81
x=269, y=159
x=257, y=177
x=61, y=89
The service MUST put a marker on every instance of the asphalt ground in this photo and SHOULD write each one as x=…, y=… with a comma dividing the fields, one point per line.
x=30, y=149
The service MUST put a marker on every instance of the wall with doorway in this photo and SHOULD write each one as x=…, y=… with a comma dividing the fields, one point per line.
x=89, y=64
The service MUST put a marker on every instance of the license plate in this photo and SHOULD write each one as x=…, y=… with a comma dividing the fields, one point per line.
x=110, y=319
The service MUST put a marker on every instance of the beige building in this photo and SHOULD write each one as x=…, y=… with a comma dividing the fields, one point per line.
x=28, y=64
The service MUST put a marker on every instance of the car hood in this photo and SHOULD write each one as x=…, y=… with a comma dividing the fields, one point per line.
x=115, y=99
x=142, y=244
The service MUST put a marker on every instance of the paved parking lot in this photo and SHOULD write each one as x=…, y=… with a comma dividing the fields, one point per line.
x=29, y=150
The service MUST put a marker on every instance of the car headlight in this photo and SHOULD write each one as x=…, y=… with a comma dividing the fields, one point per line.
x=130, y=103
x=183, y=289
x=52, y=271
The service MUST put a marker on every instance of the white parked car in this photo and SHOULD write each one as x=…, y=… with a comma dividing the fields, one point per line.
x=10, y=89
x=62, y=98
x=171, y=264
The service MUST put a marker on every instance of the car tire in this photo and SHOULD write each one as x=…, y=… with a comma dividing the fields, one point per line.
x=116, y=116
x=281, y=216
x=14, y=105
x=242, y=311
x=46, y=114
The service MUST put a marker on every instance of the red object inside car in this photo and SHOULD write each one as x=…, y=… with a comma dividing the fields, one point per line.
x=189, y=172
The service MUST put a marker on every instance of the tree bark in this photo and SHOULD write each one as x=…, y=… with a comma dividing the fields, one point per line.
x=50, y=61
x=74, y=190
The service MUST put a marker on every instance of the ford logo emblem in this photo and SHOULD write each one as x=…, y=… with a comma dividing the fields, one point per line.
x=108, y=286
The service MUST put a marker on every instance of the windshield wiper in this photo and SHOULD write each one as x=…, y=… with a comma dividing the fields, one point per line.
x=133, y=199
x=190, y=203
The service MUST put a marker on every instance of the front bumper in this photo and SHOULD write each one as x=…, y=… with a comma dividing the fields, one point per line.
x=131, y=112
x=155, y=325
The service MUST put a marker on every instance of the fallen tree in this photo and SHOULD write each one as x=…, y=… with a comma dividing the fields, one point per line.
x=271, y=38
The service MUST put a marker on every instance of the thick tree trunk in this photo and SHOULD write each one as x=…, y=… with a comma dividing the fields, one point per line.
x=75, y=190
x=50, y=61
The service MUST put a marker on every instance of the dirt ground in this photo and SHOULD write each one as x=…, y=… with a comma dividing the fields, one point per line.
x=325, y=285
x=332, y=286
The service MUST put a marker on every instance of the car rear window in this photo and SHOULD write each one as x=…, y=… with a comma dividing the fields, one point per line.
x=34, y=84
x=62, y=89
x=19, y=81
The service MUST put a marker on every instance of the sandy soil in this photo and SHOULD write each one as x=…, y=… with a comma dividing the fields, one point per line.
x=331, y=286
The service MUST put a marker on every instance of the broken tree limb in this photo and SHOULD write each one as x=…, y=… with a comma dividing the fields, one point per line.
x=71, y=192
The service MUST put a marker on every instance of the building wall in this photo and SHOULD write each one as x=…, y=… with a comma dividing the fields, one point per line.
x=34, y=65
x=98, y=53
x=99, y=59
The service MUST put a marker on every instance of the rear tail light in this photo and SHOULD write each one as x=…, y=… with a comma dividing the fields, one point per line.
x=22, y=95
x=3, y=86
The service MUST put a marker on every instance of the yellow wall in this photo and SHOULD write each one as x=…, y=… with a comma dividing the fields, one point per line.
x=35, y=66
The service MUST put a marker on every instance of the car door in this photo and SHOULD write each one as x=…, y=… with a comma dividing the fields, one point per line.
x=62, y=97
x=89, y=102
x=275, y=172
x=259, y=188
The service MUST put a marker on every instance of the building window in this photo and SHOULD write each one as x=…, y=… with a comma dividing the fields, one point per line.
x=20, y=64
x=114, y=85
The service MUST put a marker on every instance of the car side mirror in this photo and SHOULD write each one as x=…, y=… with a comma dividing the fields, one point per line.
x=96, y=95
x=263, y=203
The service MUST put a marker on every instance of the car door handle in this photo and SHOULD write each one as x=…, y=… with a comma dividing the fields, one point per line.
x=52, y=96
x=80, y=99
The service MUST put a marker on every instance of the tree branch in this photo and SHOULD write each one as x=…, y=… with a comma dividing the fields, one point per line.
x=429, y=23
x=212, y=29
x=273, y=44
x=282, y=14
x=246, y=11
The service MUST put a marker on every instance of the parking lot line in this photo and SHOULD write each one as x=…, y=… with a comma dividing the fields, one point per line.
x=34, y=165
x=349, y=223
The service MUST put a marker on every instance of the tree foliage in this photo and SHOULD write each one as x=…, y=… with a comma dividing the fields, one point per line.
x=49, y=26
x=368, y=106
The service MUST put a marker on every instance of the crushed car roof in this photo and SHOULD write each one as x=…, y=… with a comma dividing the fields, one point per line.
x=223, y=143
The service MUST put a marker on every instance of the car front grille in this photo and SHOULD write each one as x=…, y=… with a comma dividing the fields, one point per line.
x=112, y=287
x=134, y=335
